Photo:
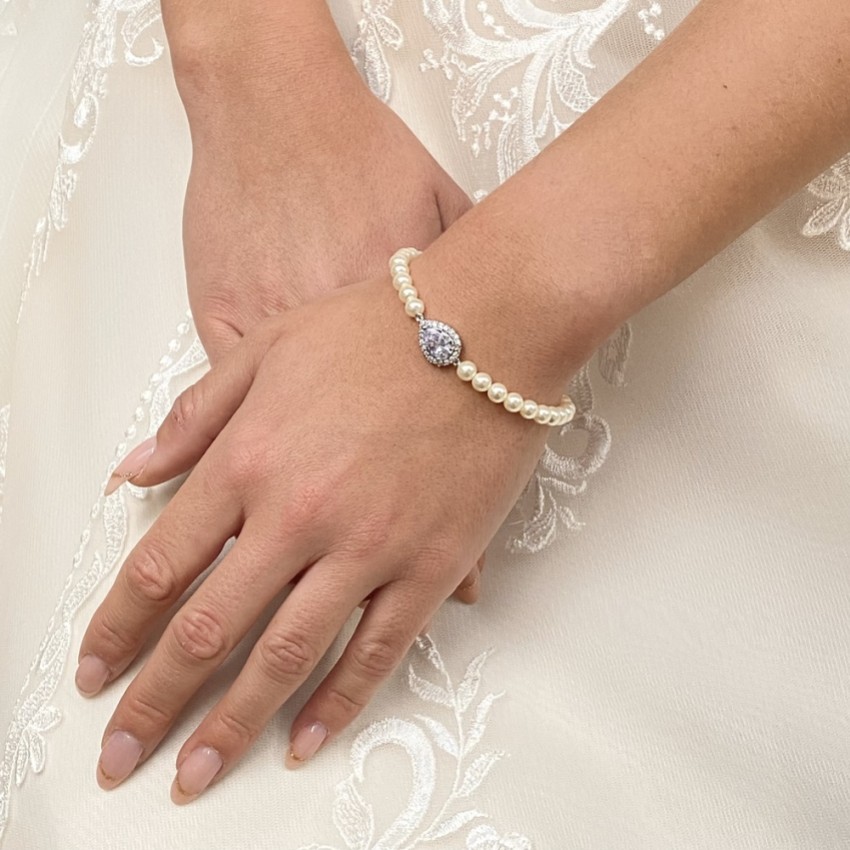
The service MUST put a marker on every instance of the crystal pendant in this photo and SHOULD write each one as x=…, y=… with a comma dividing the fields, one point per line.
x=439, y=342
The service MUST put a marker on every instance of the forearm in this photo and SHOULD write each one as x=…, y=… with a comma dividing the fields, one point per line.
x=744, y=103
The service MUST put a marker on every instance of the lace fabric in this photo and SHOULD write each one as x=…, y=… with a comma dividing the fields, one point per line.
x=631, y=685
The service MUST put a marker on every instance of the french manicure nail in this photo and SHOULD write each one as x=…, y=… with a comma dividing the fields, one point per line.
x=118, y=759
x=91, y=676
x=305, y=744
x=131, y=466
x=193, y=776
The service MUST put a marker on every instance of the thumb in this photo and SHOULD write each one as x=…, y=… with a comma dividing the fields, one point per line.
x=197, y=416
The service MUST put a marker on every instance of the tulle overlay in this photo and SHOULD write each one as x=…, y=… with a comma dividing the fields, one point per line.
x=660, y=657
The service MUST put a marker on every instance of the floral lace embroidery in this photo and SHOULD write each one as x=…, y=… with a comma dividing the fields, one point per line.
x=561, y=475
x=353, y=815
x=101, y=548
x=4, y=446
x=648, y=17
x=109, y=20
x=833, y=188
x=376, y=30
x=554, y=52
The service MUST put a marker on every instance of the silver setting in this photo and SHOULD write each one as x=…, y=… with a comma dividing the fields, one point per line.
x=440, y=343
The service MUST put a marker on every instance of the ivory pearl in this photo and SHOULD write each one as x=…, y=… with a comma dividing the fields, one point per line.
x=466, y=370
x=497, y=393
x=513, y=402
x=528, y=409
x=482, y=382
x=407, y=291
x=542, y=414
x=554, y=416
x=569, y=412
x=414, y=307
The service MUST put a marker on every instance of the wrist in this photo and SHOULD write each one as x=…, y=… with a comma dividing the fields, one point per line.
x=291, y=66
x=523, y=318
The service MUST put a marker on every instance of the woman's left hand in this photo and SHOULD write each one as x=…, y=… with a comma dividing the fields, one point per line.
x=329, y=446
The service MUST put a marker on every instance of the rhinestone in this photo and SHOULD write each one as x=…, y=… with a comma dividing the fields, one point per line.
x=439, y=342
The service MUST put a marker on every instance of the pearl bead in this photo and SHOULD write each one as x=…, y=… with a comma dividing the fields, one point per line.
x=554, y=416
x=402, y=279
x=497, y=393
x=542, y=414
x=408, y=291
x=397, y=265
x=482, y=382
x=569, y=412
x=513, y=402
x=528, y=409
x=466, y=370
x=414, y=307
x=409, y=252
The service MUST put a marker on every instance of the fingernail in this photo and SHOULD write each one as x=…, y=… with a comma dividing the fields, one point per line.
x=193, y=776
x=131, y=466
x=91, y=675
x=118, y=759
x=305, y=744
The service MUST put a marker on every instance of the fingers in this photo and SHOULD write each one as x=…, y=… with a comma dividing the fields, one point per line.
x=295, y=640
x=469, y=590
x=198, y=639
x=197, y=416
x=382, y=638
x=181, y=544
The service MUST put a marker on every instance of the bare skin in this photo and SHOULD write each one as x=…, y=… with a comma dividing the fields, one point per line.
x=772, y=112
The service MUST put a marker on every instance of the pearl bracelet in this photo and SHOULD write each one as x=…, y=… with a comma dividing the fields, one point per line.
x=441, y=346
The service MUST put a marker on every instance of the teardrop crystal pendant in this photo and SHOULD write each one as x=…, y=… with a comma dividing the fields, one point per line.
x=439, y=342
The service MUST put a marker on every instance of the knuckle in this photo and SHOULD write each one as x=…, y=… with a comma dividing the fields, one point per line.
x=236, y=731
x=112, y=641
x=374, y=658
x=244, y=460
x=285, y=658
x=146, y=714
x=343, y=704
x=149, y=575
x=186, y=407
x=200, y=635
x=303, y=510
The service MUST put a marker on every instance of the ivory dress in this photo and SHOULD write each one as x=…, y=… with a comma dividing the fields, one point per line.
x=661, y=657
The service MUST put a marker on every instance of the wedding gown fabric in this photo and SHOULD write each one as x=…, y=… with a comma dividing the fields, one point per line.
x=661, y=656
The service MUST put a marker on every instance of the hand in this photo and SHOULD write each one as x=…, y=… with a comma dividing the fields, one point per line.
x=329, y=446
x=285, y=204
x=282, y=207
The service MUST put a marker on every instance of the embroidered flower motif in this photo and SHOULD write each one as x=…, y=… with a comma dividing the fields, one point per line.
x=109, y=20
x=563, y=473
x=32, y=749
x=484, y=837
x=376, y=30
x=457, y=738
x=648, y=18
x=104, y=538
x=552, y=51
x=4, y=445
x=833, y=188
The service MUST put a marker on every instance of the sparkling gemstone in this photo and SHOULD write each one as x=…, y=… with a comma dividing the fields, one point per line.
x=439, y=342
